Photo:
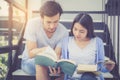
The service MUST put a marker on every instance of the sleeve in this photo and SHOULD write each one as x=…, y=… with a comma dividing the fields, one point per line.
x=100, y=50
x=101, y=56
x=65, y=54
x=102, y=68
x=30, y=31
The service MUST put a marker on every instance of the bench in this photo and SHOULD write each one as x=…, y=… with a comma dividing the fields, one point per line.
x=20, y=74
x=99, y=29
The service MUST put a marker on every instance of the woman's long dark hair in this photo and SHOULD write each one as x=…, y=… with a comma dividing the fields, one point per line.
x=86, y=21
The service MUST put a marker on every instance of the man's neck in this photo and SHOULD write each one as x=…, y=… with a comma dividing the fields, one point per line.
x=49, y=34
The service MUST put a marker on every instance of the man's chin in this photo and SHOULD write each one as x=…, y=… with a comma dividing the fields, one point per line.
x=52, y=31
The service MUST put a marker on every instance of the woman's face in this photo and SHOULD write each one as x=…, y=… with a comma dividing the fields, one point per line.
x=79, y=32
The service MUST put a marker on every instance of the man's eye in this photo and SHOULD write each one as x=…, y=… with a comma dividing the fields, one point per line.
x=56, y=22
x=48, y=22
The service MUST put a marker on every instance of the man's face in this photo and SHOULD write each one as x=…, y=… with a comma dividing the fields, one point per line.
x=50, y=23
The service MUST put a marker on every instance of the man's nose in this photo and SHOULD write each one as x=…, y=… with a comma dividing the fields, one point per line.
x=52, y=25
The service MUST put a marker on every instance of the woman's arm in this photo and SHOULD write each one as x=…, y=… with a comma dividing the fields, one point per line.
x=102, y=65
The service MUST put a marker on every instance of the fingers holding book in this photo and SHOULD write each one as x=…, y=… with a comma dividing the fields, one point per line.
x=109, y=64
x=54, y=71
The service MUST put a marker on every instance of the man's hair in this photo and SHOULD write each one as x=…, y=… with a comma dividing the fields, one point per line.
x=50, y=8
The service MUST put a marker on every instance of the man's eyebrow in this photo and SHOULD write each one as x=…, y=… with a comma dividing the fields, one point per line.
x=56, y=21
x=53, y=21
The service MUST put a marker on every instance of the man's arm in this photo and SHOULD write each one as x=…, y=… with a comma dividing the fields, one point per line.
x=32, y=48
x=58, y=52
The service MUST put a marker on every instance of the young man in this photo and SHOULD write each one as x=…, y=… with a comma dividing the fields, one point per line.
x=40, y=33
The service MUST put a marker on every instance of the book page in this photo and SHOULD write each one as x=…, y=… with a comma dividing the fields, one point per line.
x=66, y=60
x=88, y=68
x=50, y=53
x=48, y=56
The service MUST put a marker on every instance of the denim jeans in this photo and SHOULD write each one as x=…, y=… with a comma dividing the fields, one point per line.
x=28, y=66
x=85, y=76
x=88, y=76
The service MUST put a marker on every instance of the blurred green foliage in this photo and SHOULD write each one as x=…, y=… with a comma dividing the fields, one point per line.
x=3, y=65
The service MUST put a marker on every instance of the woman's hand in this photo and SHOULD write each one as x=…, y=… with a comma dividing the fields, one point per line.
x=109, y=64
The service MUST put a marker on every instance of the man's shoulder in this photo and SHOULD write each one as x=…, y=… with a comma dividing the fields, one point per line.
x=61, y=26
x=62, y=30
x=36, y=19
x=36, y=22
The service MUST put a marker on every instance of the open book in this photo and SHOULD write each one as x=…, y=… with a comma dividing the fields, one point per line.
x=49, y=58
x=87, y=68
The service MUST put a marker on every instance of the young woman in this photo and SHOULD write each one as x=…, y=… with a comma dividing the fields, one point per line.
x=84, y=48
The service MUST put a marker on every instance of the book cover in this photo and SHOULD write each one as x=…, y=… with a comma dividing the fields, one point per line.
x=67, y=66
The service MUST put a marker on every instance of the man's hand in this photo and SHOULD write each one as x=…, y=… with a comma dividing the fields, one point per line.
x=38, y=51
x=54, y=70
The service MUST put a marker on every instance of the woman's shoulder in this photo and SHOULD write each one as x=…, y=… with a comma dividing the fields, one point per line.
x=98, y=39
x=67, y=38
x=71, y=37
